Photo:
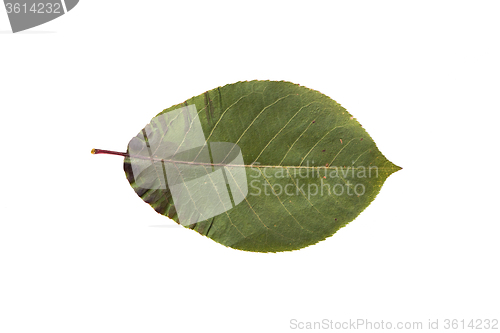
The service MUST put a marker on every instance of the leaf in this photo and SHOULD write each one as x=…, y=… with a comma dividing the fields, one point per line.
x=261, y=166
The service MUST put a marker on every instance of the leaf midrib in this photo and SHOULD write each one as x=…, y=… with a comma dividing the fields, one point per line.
x=249, y=165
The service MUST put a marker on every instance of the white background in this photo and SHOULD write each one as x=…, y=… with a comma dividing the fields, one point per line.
x=80, y=252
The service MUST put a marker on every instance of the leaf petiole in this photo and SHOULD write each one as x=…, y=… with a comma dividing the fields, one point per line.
x=109, y=152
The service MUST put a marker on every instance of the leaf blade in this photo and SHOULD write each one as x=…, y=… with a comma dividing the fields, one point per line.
x=283, y=129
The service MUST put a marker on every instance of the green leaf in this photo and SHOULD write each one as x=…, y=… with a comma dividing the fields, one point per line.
x=261, y=166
